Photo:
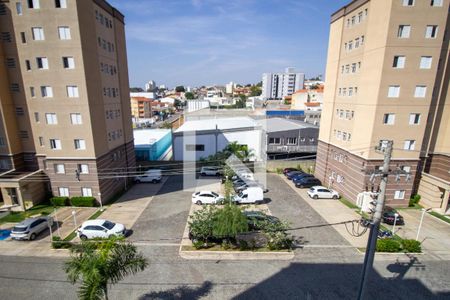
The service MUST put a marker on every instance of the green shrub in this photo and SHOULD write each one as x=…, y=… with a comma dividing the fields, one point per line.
x=228, y=222
x=45, y=213
x=411, y=246
x=201, y=223
x=388, y=245
x=226, y=245
x=279, y=170
x=57, y=243
x=83, y=201
x=414, y=200
x=243, y=245
x=59, y=201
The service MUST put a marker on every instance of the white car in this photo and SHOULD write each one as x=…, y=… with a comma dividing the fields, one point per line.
x=153, y=176
x=210, y=171
x=321, y=192
x=100, y=229
x=206, y=197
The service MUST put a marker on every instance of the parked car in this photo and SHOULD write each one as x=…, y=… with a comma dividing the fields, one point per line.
x=100, y=228
x=210, y=171
x=152, y=175
x=389, y=216
x=30, y=228
x=321, y=192
x=242, y=187
x=287, y=170
x=250, y=195
x=291, y=174
x=255, y=218
x=206, y=197
x=298, y=177
x=307, y=182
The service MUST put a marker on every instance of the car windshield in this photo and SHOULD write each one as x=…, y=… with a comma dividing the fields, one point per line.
x=19, y=229
x=214, y=194
x=108, y=224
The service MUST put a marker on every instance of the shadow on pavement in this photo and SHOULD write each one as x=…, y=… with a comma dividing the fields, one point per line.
x=182, y=292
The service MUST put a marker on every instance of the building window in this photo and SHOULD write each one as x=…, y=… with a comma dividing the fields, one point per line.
x=32, y=93
x=425, y=62
x=33, y=4
x=408, y=2
x=23, y=38
x=399, y=62
x=86, y=192
x=60, y=169
x=19, y=8
x=291, y=141
x=79, y=144
x=60, y=3
x=394, y=91
x=28, y=65
x=312, y=140
x=23, y=134
x=354, y=68
x=42, y=63
x=399, y=195
x=406, y=169
x=51, y=118
x=83, y=168
x=196, y=147
x=68, y=62
x=64, y=33
x=409, y=145
x=15, y=87
x=63, y=192
x=404, y=31
x=389, y=119
x=382, y=144
x=431, y=31
x=420, y=91
x=20, y=111
x=274, y=141
x=72, y=91
x=38, y=33
x=414, y=119
x=36, y=117
x=46, y=91
x=41, y=141
x=11, y=62
x=55, y=144
x=75, y=119
x=436, y=3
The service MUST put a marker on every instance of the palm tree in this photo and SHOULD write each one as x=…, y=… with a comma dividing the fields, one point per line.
x=240, y=151
x=99, y=263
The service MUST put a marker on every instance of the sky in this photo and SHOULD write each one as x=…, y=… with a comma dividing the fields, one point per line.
x=206, y=42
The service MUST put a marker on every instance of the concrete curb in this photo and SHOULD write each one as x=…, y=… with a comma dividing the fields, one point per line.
x=228, y=255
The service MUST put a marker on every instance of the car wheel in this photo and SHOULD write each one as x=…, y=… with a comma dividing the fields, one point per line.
x=32, y=236
x=198, y=202
x=83, y=237
x=335, y=197
x=315, y=197
x=138, y=181
x=154, y=181
x=203, y=174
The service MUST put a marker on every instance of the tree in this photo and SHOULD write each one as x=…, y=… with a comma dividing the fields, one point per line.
x=180, y=89
x=259, y=84
x=241, y=103
x=99, y=263
x=189, y=95
x=166, y=125
x=229, y=221
x=255, y=91
x=240, y=151
x=136, y=90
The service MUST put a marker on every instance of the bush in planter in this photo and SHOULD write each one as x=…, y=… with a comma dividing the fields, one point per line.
x=229, y=222
x=388, y=245
x=414, y=200
x=83, y=201
x=411, y=246
x=58, y=243
x=201, y=225
x=59, y=201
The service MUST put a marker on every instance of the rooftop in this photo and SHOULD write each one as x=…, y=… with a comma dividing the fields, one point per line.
x=221, y=123
x=281, y=124
x=149, y=136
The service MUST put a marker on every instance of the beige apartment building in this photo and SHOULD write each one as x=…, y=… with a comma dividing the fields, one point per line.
x=65, y=112
x=387, y=79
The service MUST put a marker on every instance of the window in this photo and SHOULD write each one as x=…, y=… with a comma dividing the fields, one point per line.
x=33, y=4
x=42, y=63
x=83, y=168
x=28, y=65
x=291, y=141
x=55, y=144
x=399, y=195
x=274, y=141
x=399, y=62
x=394, y=91
x=60, y=3
x=360, y=17
x=46, y=91
x=23, y=38
x=420, y=91
x=38, y=33
x=68, y=62
x=414, y=119
x=389, y=119
x=19, y=8
x=406, y=169
x=72, y=91
x=431, y=31
x=51, y=118
x=59, y=169
x=75, y=119
x=197, y=147
x=436, y=3
x=64, y=33
x=63, y=192
x=11, y=62
x=15, y=87
x=32, y=93
x=350, y=91
x=425, y=62
x=382, y=144
x=23, y=134
x=354, y=68
x=86, y=192
x=409, y=145
x=36, y=117
x=404, y=31
x=350, y=45
x=41, y=141
x=20, y=111
x=408, y=2
x=80, y=144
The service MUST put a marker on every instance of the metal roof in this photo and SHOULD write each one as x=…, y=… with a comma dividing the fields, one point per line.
x=280, y=124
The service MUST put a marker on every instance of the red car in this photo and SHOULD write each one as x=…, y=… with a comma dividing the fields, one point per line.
x=287, y=170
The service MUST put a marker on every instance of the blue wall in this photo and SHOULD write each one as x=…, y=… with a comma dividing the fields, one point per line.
x=285, y=112
x=154, y=151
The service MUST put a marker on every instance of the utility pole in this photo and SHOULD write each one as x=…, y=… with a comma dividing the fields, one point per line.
x=375, y=225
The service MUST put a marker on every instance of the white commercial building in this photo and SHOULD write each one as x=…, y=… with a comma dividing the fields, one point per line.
x=229, y=87
x=150, y=86
x=196, y=104
x=279, y=85
x=198, y=139
x=143, y=94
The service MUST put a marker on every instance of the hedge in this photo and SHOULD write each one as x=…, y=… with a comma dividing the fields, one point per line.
x=388, y=245
x=58, y=243
x=411, y=246
x=83, y=201
x=59, y=201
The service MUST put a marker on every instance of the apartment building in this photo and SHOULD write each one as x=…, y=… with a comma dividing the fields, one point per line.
x=386, y=79
x=280, y=85
x=65, y=109
x=141, y=107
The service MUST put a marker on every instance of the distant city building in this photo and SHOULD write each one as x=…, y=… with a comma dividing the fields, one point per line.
x=141, y=107
x=163, y=87
x=196, y=104
x=307, y=99
x=149, y=95
x=280, y=85
x=230, y=87
x=150, y=86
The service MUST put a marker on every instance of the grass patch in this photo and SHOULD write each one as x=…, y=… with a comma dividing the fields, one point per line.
x=70, y=237
x=348, y=203
x=96, y=214
x=19, y=216
x=439, y=216
x=232, y=249
x=415, y=206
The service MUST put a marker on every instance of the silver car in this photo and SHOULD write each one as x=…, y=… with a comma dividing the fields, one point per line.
x=30, y=228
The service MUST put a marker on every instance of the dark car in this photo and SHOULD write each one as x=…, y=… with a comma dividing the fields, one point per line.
x=298, y=177
x=256, y=218
x=291, y=174
x=307, y=182
x=389, y=216
x=287, y=170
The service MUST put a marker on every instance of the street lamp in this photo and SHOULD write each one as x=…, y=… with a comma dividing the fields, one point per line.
x=395, y=222
x=100, y=200
x=74, y=218
x=421, y=220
